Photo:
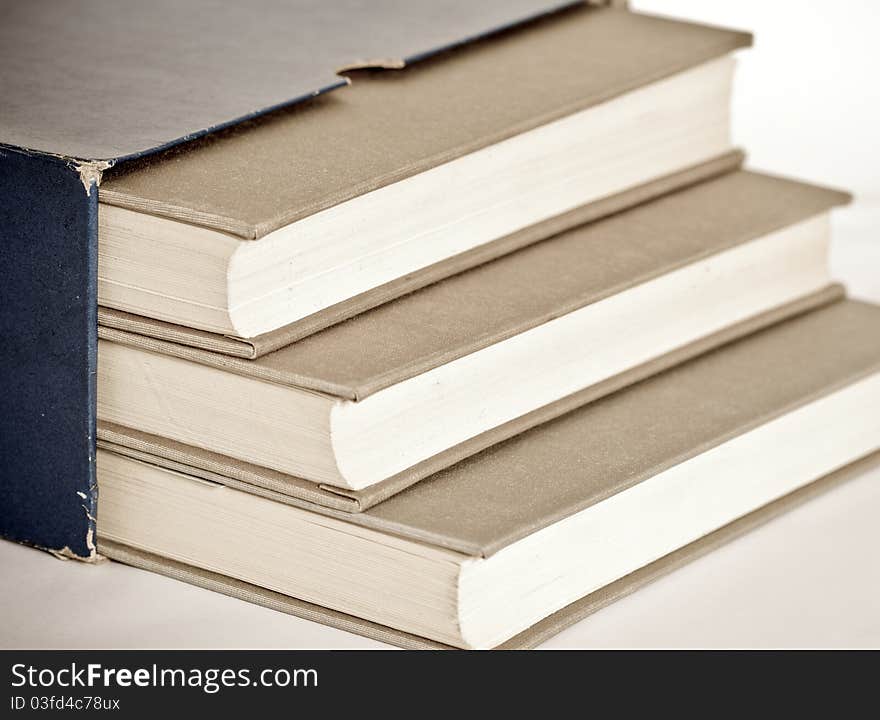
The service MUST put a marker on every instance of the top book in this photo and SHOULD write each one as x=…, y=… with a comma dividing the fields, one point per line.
x=321, y=211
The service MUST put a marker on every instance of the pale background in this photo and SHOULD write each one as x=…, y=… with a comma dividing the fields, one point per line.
x=807, y=105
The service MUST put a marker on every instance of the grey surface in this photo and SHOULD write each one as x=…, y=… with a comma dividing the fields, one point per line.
x=102, y=79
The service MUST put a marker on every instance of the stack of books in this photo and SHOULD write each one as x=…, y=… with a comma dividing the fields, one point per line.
x=457, y=355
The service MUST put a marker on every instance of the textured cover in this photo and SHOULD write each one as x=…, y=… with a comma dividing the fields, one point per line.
x=391, y=125
x=470, y=311
x=530, y=638
x=47, y=359
x=263, y=344
x=103, y=80
x=557, y=469
x=314, y=496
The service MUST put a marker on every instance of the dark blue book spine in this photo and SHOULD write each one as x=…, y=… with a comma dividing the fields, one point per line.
x=48, y=353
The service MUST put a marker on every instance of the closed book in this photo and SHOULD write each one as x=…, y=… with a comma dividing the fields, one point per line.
x=368, y=407
x=315, y=214
x=603, y=497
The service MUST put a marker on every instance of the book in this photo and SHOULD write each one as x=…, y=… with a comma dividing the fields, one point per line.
x=70, y=113
x=355, y=195
x=296, y=491
x=252, y=348
x=499, y=543
x=537, y=633
x=412, y=382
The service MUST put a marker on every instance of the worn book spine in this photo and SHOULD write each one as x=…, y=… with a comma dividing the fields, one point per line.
x=48, y=322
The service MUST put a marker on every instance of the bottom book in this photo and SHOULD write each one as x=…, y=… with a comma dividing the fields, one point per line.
x=526, y=640
x=514, y=544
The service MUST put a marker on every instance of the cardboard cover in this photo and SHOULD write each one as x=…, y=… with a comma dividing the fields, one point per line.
x=470, y=311
x=557, y=469
x=391, y=125
x=276, y=339
x=315, y=496
x=110, y=80
x=530, y=638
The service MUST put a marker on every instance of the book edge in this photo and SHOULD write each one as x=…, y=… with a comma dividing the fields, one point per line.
x=533, y=636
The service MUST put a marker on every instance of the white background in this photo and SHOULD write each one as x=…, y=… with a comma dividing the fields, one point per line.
x=807, y=105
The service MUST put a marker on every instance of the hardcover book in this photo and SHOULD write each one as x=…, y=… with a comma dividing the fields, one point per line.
x=311, y=216
x=530, y=530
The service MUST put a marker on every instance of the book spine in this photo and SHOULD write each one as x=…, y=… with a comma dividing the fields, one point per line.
x=48, y=352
